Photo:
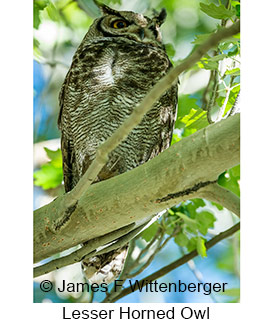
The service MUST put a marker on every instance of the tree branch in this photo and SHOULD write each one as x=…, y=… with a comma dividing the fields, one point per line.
x=178, y=172
x=163, y=271
x=128, y=198
x=138, y=113
x=87, y=249
x=222, y=196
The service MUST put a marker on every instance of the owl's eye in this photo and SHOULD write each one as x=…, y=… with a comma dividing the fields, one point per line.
x=119, y=24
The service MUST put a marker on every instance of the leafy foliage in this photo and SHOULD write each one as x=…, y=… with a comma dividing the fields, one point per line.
x=39, y=5
x=230, y=179
x=217, y=12
x=189, y=223
x=148, y=233
x=50, y=175
x=186, y=224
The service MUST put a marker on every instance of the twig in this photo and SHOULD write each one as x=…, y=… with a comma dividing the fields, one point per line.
x=228, y=92
x=147, y=263
x=163, y=271
x=235, y=107
x=53, y=63
x=122, y=241
x=213, y=78
x=192, y=266
x=88, y=248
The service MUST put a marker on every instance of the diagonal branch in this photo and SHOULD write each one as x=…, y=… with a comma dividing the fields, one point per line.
x=222, y=196
x=163, y=271
x=135, y=118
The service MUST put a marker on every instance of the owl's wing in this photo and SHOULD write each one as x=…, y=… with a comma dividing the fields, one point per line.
x=68, y=154
x=68, y=163
x=61, y=101
x=170, y=100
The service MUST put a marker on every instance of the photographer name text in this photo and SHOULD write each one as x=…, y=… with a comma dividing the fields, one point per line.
x=146, y=286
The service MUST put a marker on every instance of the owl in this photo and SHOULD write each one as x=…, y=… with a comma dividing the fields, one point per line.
x=119, y=60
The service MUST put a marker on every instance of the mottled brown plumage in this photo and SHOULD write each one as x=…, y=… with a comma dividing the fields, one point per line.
x=118, y=62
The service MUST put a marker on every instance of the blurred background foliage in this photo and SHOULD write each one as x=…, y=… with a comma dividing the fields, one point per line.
x=207, y=93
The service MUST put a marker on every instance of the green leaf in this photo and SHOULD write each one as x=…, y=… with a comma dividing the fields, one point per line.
x=188, y=132
x=201, y=38
x=36, y=17
x=217, y=58
x=205, y=220
x=233, y=72
x=175, y=138
x=187, y=220
x=235, y=172
x=188, y=113
x=38, y=6
x=227, y=260
x=207, y=64
x=36, y=43
x=200, y=123
x=234, y=292
x=192, y=244
x=191, y=224
x=230, y=180
x=37, y=53
x=192, y=116
x=238, y=11
x=50, y=175
x=148, y=233
x=111, y=1
x=201, y=249
x=170, y=50
x=196, y=119
x=198, y=202
x=217, y=12
x=234, y=51
x=181, y=240
x=55, y=156
x=53, y=12
x=236, y=5
x=190, y=208
x=170, y=229
x=220, y=207
x=228, y=44
x=185, y=104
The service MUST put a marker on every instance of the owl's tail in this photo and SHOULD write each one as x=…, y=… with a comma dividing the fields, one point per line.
x=105, y=268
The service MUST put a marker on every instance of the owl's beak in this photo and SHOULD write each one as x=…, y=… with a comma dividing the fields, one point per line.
x=141, y=33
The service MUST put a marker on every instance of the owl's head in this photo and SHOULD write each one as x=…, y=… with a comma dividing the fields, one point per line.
x=130, y=25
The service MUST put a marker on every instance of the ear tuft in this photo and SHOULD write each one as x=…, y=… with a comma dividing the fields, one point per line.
x=160, y=17
x=104, y=9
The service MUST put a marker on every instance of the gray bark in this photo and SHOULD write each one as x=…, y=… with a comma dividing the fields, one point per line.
x=184, y=171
